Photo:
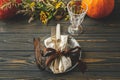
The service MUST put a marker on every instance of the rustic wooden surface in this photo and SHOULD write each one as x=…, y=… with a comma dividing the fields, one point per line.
x=100, y=44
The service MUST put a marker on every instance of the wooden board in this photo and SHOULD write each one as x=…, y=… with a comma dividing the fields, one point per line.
x=100, y=44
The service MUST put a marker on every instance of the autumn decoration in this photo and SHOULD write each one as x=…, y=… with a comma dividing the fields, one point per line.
x=8, y=8
x=99, y=8
x=45, y=10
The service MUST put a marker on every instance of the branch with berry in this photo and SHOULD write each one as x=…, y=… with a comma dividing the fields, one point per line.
x=8, y=8
x=45, y=10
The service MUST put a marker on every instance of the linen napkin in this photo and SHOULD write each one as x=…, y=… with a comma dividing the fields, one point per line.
x=62, y=44
x=62, y=63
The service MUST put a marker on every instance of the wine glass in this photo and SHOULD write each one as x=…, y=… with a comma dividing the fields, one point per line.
x=77, y=11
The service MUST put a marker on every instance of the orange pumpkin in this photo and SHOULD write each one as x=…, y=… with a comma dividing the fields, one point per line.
x=99, y=8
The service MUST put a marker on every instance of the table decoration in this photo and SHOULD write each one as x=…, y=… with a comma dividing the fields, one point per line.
x=51, y=60
x=99, y=8
x=58, y=58
x=8, y=8
x=45, y=10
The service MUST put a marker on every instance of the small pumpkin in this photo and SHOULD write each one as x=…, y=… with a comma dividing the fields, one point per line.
x=9, y=10
x=99, y=8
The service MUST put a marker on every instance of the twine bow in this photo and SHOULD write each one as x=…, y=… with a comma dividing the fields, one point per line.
x=53, y=54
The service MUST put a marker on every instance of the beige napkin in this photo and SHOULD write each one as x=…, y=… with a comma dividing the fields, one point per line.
x=50, y=44
x=62, y=63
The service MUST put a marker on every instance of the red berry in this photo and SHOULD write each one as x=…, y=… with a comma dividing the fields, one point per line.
x=8, y=11
x=18, y=1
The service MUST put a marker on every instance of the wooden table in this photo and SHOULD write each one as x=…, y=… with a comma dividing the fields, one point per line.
x=100, y=44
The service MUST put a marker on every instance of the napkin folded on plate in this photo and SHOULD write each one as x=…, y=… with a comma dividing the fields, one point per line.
x=63, y=42
x=62, y=63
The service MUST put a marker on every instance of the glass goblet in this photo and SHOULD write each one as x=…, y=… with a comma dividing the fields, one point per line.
x=77, y=11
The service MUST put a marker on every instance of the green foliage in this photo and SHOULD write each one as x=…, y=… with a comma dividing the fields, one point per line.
x=45, y=10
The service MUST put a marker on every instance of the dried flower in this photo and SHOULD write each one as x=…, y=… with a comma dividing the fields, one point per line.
x=32, y=4
x=43, y=17
x=58, y=5
x=43, y=9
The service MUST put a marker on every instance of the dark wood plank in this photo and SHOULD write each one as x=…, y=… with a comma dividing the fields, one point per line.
x=91, y=42
x=96, y=61
x=90, y=27
x=34, y=75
